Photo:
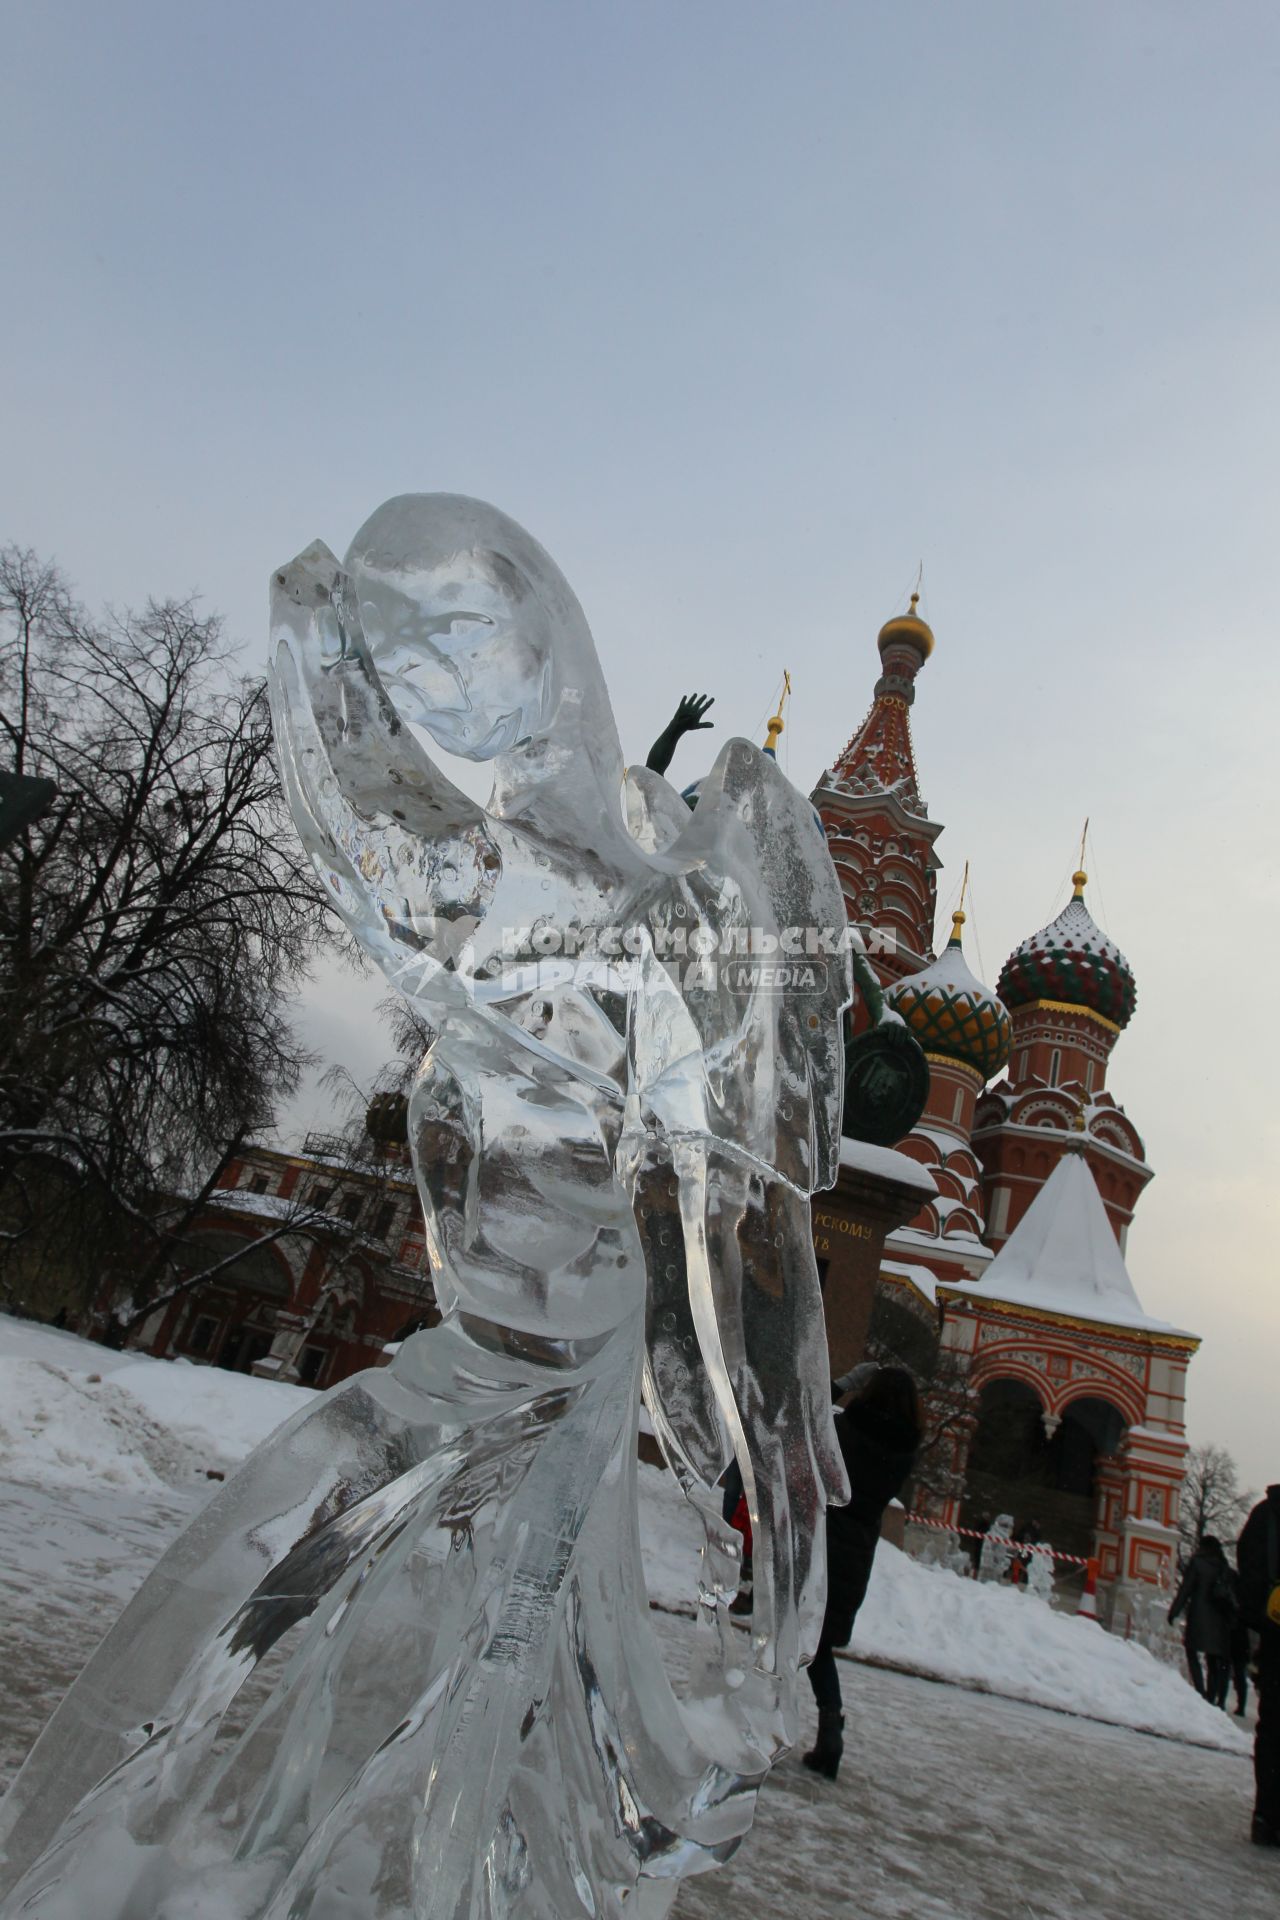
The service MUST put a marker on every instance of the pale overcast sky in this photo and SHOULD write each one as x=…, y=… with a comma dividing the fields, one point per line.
x=744, y=310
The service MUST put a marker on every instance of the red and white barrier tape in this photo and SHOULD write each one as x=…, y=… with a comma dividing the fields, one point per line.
x=997, y=1539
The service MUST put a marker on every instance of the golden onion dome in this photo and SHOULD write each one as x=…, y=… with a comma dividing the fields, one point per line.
x=909, y=628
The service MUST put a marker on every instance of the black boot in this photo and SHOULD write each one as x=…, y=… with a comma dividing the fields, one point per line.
x=825, y=1757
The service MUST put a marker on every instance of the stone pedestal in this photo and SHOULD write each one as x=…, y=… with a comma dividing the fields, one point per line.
x=878, y=1189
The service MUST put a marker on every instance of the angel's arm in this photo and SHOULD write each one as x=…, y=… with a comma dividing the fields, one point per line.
x=406, y=856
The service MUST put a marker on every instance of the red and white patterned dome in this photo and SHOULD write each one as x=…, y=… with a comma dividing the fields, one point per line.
x=1072, y=961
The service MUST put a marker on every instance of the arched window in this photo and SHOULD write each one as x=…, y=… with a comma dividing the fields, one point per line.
x=1055, y=1066
x=1017, y=1467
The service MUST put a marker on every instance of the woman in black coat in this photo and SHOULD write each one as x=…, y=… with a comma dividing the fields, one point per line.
x=1259, y=1557
x=1207, y=1596
x=879, y=1429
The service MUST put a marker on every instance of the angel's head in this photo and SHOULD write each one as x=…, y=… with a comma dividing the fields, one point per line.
x=460, y=636
x=479, y=639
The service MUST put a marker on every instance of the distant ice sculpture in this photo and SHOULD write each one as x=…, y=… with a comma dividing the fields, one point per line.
x=996, y=1553
x=403, y=1663
x=1040, y=1573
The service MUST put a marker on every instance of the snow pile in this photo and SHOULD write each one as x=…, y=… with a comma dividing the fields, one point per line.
x=1004, y=1640
x=925, y=1620
x=76, y=1416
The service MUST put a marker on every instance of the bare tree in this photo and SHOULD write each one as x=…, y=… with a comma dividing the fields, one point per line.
x=1213, y=1501
x=363, y=1159
x=151, y=922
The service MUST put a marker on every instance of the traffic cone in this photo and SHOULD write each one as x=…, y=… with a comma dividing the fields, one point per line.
x=1088, y=1608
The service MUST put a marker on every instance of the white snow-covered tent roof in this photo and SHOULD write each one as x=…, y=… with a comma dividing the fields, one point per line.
x=1062, y=1257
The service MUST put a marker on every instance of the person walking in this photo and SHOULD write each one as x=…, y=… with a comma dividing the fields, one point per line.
x=1258, y=1557
x=1207, y=1597
x=879, y=1429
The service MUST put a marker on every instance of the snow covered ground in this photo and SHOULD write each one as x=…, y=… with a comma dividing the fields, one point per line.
x=76, y=1415
x=950, y=1803
x=80, y=1419
x=959, y=1806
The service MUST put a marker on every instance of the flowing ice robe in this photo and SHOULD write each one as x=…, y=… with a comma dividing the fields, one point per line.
x=402, y=1664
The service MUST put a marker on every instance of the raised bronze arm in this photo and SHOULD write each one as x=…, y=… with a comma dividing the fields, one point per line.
x=687, y=718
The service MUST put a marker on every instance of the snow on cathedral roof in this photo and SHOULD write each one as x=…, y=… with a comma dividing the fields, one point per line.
x=1071, y=960
x=1062, y=1257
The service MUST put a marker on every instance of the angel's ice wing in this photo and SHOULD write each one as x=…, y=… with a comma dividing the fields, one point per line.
x=406, y=857
x=751, y=915
x=737, y=1057
x=656, y=814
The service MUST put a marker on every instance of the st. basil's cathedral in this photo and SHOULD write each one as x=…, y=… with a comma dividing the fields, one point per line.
x=991, y=1239
x=985, y=1249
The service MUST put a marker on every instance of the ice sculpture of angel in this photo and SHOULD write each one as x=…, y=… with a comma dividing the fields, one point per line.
x=403, y=1664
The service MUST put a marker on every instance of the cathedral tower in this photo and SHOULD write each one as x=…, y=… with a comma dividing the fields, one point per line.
x=966, y=1035
x=1070, y=993
x=877, y=824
